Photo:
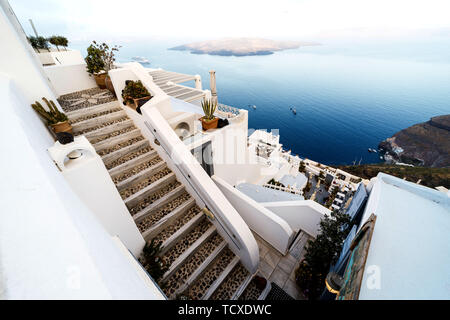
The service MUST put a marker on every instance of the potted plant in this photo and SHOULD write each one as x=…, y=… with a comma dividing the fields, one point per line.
x=38, y=43
x=152, y=261
x=58, y=41
x=135, y=94
x=55, y=118
x=260, y=282
x=209, y=121
x=99, y=61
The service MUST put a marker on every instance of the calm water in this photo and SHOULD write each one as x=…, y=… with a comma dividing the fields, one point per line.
x=348, y=96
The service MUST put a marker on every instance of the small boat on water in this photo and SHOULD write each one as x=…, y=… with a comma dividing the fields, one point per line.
x=294, y=111
x=372, y=150
x=252, y=106
x=141, y=60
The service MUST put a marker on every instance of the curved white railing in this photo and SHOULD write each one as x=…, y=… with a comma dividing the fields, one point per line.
x=264, y=222
x=302, y=215
x=228, y=221
x=152, y=123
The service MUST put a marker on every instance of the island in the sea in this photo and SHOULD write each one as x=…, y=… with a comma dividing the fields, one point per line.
x=241, y=46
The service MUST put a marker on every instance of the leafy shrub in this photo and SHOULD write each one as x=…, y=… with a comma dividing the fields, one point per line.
x=321, y=253
x=38, y=42
x=151, y=260
x=100, y=57
x=134, y=90
x=58, y=41
x=94, y=61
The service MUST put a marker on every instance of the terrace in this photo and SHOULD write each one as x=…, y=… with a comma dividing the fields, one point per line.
x=280, y=269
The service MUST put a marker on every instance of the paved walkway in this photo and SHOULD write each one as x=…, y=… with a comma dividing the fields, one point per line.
x=281, y=269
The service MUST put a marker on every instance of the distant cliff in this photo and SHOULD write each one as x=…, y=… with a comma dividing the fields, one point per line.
x=430, y=177
x=425, y=144
x=240, y=46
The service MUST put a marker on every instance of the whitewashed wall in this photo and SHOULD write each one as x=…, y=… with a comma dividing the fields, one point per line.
x=51, y=245
x=264, y=222
x=300, y=215
x=90, y=180
x=69, y=78
x=18, y=59
x=68, y=56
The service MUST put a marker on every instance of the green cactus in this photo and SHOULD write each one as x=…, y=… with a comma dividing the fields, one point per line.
x=53, y=116
x=209, y=107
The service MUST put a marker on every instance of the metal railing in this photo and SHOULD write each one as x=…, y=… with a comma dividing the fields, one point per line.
x=292, y=190
x=227, y=111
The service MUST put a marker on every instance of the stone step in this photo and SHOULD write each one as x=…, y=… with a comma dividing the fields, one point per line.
x=221, y=278
x=99, y=134
x=95, y=114
x=167, y=219
x=141, y=175
x=139, y=196
x=180, y=233
x=154, y=196
x=112, y=157
x=73, y=115
x=88, y=125
x=208, y=281
x=121, y=145
x=236, y=281
x=111, y=142
x=181, y=259
x=242, y=287
x=127, y=166
x=198, y=271
x=102, y=125
x=160, y=203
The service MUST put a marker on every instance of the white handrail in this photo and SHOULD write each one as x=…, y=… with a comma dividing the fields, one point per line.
x=227, y=218
x=154, y=126
x=285, y=189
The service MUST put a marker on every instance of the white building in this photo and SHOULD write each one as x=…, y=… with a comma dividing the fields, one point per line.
x=404, y=252
x=75, y=226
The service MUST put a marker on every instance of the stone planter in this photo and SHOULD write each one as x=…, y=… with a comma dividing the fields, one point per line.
x=209, y=124
x=62, y=127
x=100, y=80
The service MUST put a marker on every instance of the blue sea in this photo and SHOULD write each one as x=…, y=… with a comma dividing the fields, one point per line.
x=349, y=95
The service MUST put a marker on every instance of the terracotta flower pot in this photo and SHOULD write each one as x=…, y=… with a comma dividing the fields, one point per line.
x=62, y=127
x=100, y=80
x=209, y=124
x=109, y=85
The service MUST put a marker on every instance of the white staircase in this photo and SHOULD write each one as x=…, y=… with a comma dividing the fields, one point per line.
x=200, y=264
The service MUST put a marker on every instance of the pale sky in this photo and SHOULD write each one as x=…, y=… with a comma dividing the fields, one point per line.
x=290, y=19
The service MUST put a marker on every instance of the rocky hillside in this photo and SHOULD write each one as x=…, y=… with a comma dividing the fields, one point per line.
x=430, y=177
x=425, y=144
